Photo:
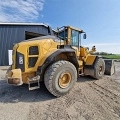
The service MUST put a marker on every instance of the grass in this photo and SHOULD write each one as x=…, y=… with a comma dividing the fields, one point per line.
x=112, y=56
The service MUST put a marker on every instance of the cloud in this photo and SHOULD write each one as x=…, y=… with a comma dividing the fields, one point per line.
x=106, y=47
x=20, y=10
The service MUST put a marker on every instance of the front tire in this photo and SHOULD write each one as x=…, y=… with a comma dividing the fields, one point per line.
x=60, y=78
x=99, y=68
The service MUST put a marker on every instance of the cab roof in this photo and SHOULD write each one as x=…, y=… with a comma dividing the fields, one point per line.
x=80, y=30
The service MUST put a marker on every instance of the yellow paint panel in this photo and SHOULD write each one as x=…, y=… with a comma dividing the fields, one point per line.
x=90, y=59
x=16, y=73
x=47, y=44
x=26, y=75
x=15, y=77
x=45, y=56
x=76, y=50
x=80, y=62
x=46, y=47
x=82, y=52
x=69, y=36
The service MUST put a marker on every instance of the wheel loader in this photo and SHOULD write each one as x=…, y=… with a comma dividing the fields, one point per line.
x=57, y=60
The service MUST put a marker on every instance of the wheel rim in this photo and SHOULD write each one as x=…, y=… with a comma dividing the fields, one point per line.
x=101, y=70
x=64, y=80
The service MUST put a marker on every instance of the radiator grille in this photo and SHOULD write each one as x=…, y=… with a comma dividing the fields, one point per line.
x=32, y=61
x=33, y=50
x=32, y=56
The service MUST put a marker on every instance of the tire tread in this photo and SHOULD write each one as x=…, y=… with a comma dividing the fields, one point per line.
x=49, y=75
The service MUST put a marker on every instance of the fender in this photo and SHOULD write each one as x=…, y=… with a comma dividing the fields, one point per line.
x=90, y=59
x=90, y=63
x=89, y=69
x=50, y=59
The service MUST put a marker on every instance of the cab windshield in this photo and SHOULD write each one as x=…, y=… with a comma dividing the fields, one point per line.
x=63, y=34
x=74, y=38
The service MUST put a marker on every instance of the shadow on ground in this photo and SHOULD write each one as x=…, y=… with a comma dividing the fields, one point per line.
x=85, y=79
x=15, y=94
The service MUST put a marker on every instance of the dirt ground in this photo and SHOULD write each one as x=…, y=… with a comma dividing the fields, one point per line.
x=88, y=100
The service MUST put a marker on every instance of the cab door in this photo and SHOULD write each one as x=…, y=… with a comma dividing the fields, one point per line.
x=75, y=38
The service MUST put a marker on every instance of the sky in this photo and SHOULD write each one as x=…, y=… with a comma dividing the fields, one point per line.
x=99, y=18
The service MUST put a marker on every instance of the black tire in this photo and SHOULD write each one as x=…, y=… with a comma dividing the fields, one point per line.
x=99, y=68
x=53, y=74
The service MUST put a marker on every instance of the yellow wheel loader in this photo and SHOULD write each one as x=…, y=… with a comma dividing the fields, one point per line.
x=56, y=60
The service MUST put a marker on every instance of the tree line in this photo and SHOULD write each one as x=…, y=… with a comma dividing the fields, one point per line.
x=103, y=53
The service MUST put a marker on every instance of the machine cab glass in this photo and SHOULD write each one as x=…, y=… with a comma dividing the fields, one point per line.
x=63, y=34
x=74, y=38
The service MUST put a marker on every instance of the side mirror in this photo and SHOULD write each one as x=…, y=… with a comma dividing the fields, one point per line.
x=84, y=36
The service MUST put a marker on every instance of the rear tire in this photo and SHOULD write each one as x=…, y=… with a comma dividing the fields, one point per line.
x=60, y=78
x=99, y=68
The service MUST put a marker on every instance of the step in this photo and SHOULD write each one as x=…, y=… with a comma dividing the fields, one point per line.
x=34, y=88
x=34, y=80
x=81, y=74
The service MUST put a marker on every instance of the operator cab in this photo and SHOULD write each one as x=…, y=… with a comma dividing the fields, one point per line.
x=71, y=35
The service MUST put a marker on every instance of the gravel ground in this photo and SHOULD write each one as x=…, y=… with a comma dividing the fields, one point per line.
x=88, y=100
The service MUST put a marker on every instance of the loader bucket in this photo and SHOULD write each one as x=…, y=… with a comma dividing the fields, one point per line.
x=109, y=67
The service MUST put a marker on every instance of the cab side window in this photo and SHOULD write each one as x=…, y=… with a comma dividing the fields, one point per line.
x=75, y=38
x=63, y=34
